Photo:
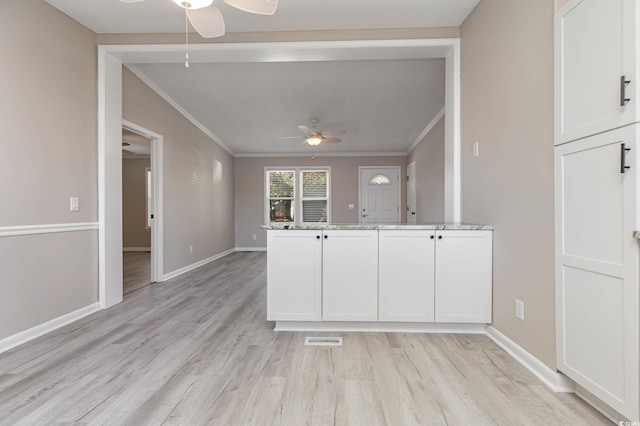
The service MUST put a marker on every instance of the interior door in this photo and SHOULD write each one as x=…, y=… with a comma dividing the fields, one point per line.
x=411, y=194
x=379, y=194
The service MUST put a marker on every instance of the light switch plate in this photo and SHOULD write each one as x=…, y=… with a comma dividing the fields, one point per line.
x=351, y=206
x=475, y=150
x=74, y=204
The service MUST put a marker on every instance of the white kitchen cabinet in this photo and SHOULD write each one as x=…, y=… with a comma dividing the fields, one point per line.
x=350, y=275
x=596, y=44
x=463, y=276
x=597, y=266
x=294, y=275
x=407, y=275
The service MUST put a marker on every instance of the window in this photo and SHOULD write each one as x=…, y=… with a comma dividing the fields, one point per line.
x=297, y=195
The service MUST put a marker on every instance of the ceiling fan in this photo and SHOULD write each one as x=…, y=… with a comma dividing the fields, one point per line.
x=315, y=136
x=206, y=18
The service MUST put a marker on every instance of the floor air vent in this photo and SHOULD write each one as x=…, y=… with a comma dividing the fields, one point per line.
x=323, y=341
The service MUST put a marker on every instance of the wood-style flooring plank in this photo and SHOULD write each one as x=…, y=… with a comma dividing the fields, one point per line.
x=197, y=350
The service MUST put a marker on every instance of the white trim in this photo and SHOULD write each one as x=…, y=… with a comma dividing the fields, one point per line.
x=196, y=265
x=146, y=80
x=426, y=130
x=379, y=327
x=49, y=228
x=554, y=380
x=399, y=169
x=452, y=152
x=136, y=249
x=250, y=249
x=49, y=326
x=325, y=154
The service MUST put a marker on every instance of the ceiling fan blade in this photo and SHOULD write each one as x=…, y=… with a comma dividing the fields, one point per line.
x=331, y=140
x=290, y=137
x=207, y=21
x=305, y=129
x=260, y=7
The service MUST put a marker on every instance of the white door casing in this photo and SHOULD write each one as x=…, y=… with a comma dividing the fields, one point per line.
x=112, y=57
x=412, y=208
x=379, y=194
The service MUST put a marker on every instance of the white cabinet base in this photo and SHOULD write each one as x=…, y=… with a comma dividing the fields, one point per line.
x=379, y=327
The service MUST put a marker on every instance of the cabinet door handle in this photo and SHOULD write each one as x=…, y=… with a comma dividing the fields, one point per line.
x=326, y=236
x=317, y=237
x=432, y=237
x=623, y=158
x=623, y=88
x=439, y=237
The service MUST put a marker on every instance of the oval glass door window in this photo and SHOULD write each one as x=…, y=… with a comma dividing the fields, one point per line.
x=379, y=179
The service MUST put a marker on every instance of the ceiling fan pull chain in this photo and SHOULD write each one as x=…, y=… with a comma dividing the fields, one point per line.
x=186, y=36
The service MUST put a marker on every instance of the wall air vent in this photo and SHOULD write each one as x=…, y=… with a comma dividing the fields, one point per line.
x=323, y=341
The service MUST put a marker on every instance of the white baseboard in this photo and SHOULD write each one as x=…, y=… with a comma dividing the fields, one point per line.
x=556, y=381
x=37, y=331
x=136, y=248
x=379, y=327
x=251, y=249
x=196, y=265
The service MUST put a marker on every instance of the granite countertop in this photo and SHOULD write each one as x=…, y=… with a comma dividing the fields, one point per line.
x=381, y=226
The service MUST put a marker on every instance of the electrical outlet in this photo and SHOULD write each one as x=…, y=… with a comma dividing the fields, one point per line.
x=254, y=237
x=520, y=309
x=190, y=249
x=74, y=204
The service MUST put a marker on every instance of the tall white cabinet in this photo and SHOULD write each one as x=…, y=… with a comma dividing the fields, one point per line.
x=596, y=199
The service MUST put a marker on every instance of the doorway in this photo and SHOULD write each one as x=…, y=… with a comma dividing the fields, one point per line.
x=137, y=210
x=379, y=194
x=141, y=207
x=411, y=193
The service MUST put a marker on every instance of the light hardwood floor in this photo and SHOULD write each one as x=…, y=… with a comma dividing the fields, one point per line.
x=197, y=350
x=136, y=270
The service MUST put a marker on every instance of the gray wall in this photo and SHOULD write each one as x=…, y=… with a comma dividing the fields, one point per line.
x=507, y=106
x=249, y=190
x=49, y=153
x=198, y=178
x=429, y=158
x=134, y=203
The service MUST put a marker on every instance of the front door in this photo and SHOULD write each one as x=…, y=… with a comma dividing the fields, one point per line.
x=379, y=194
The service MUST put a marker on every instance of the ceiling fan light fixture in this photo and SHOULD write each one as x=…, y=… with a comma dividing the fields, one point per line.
x=193, y=4
x=314, y=140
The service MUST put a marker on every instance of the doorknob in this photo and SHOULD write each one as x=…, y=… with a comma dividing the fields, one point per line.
x=365, y=215
x=413, y=213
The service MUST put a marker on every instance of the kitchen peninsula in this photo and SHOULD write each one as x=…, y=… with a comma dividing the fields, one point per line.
x=386, y=277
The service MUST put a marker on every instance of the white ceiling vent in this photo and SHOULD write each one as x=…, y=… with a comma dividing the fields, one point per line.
x=323, y=341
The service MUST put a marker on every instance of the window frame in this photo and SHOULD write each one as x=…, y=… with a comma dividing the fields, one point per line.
x=297, y=193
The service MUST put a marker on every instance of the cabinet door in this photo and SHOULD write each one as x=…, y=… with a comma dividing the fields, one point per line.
x=406, y=268
x=350, y=276
x=294, y=275
x=463, y=276
x=596, y=44
x=597, y=267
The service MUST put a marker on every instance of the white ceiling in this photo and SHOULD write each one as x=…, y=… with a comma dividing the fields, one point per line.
x=163, y=16
x=383, y=105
